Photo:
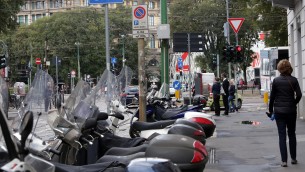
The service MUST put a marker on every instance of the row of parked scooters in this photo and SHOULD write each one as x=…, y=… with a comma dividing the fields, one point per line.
x=81, y=135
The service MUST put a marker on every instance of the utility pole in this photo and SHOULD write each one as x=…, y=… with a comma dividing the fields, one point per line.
x=228, y=36
x=141, y=77
x=78, y=63
x=164, y=47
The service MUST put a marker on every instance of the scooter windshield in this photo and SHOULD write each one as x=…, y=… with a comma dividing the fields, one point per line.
x=80, y=92
x=100, y=96
x=4, y=99
x=123, y=80
x=39, y=101
x=3, y=104
x=163, y=91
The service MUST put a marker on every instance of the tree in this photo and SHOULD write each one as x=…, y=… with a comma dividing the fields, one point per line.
x=8, y=11
x=56, y=36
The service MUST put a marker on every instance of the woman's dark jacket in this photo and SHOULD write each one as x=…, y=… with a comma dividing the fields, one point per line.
x=232, y=90
x=282, y=99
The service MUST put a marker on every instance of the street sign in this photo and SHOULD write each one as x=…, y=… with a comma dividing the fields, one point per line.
x=140, y=34
x=236, y=23
x=139, y=17
x=38, y=61
x=113, y=60
x=105, y=1
x=180, y=42
x=177, y=85
x=180, y=64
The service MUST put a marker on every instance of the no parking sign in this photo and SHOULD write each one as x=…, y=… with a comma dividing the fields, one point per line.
x=139, y=17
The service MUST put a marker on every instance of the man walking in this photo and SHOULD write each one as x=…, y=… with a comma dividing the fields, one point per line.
x=225, y=86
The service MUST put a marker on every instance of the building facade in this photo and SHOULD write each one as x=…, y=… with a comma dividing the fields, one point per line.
x=296, y=42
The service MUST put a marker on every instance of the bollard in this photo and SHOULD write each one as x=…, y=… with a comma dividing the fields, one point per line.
x=177, y=94
x=266, y=97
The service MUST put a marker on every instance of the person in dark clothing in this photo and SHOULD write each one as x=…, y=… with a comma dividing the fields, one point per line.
x=231, y=96
x=225, y=86
x=216, y=96
x=283, y=105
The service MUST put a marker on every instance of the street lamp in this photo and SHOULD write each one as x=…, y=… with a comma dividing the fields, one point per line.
x=123, y=49
x=78, y=65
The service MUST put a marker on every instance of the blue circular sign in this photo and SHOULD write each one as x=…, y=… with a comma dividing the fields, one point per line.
x=177, y=85
x=139, y=12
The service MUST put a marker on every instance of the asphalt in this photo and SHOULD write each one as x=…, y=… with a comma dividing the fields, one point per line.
x=248, y=141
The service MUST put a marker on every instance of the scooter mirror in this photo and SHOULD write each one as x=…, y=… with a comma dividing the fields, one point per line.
x=102, y=116
x=118, y=115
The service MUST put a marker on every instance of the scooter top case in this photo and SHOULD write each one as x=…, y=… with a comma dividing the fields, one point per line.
x=204, y=120
x=152, y=165
x=187, y=130
x=189, y=154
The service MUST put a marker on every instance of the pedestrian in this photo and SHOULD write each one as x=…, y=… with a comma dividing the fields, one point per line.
x=231, y=96
x=216, y=95
x=285, y=95
x=225, y=86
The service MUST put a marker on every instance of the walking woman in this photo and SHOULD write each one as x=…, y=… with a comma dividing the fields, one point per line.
x=284, y=97
x=231, y=97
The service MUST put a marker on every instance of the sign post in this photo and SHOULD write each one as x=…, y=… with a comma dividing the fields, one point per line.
x=140, y=31
x=236, y=24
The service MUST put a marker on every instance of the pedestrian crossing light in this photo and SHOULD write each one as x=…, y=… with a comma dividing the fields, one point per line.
x=2, y=61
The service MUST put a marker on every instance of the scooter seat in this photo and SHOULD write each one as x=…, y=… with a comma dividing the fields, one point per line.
x=122, y=159
x=139, y=125
x=126, y=151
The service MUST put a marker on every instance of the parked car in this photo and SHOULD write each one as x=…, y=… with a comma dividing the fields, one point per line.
x=172, y=91
x=210, y=102
x=130, y=96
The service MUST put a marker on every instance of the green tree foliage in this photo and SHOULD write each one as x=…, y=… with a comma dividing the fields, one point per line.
x=272, y=20
x=58, y=34
x=8, y=11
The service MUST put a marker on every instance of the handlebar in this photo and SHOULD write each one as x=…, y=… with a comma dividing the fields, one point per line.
x=87, y=141
x=54, y=151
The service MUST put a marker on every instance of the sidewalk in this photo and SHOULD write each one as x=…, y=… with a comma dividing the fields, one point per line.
x=238, y=147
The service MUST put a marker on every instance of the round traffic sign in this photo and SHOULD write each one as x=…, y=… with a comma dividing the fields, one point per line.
x=73, y=72
x=38, y=61
x=139, y=12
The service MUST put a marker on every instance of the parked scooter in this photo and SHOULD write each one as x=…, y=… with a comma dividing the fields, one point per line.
x=161, y=118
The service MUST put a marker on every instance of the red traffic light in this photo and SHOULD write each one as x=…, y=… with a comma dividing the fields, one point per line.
x=238, y=48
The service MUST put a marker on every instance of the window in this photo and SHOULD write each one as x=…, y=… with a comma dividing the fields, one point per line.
x=135, y=3
x=152, y=42
x=151, y=21
x=26, y=20
x=33, y=5
x=51, y=4
x=151, y=5
x=33, y=18
x=21, y=19
x=38, y=16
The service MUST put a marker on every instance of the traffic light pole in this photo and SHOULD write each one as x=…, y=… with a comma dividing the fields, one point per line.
x=235, y=72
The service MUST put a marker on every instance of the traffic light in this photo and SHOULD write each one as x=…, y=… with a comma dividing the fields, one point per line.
x=238, y=50
x=2, y=61
x=224, y=53
x=214, y=61
x=231, y=52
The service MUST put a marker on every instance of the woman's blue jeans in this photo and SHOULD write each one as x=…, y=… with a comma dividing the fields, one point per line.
x=231, y=100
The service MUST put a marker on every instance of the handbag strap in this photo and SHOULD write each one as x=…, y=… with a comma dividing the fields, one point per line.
x=290, y=83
